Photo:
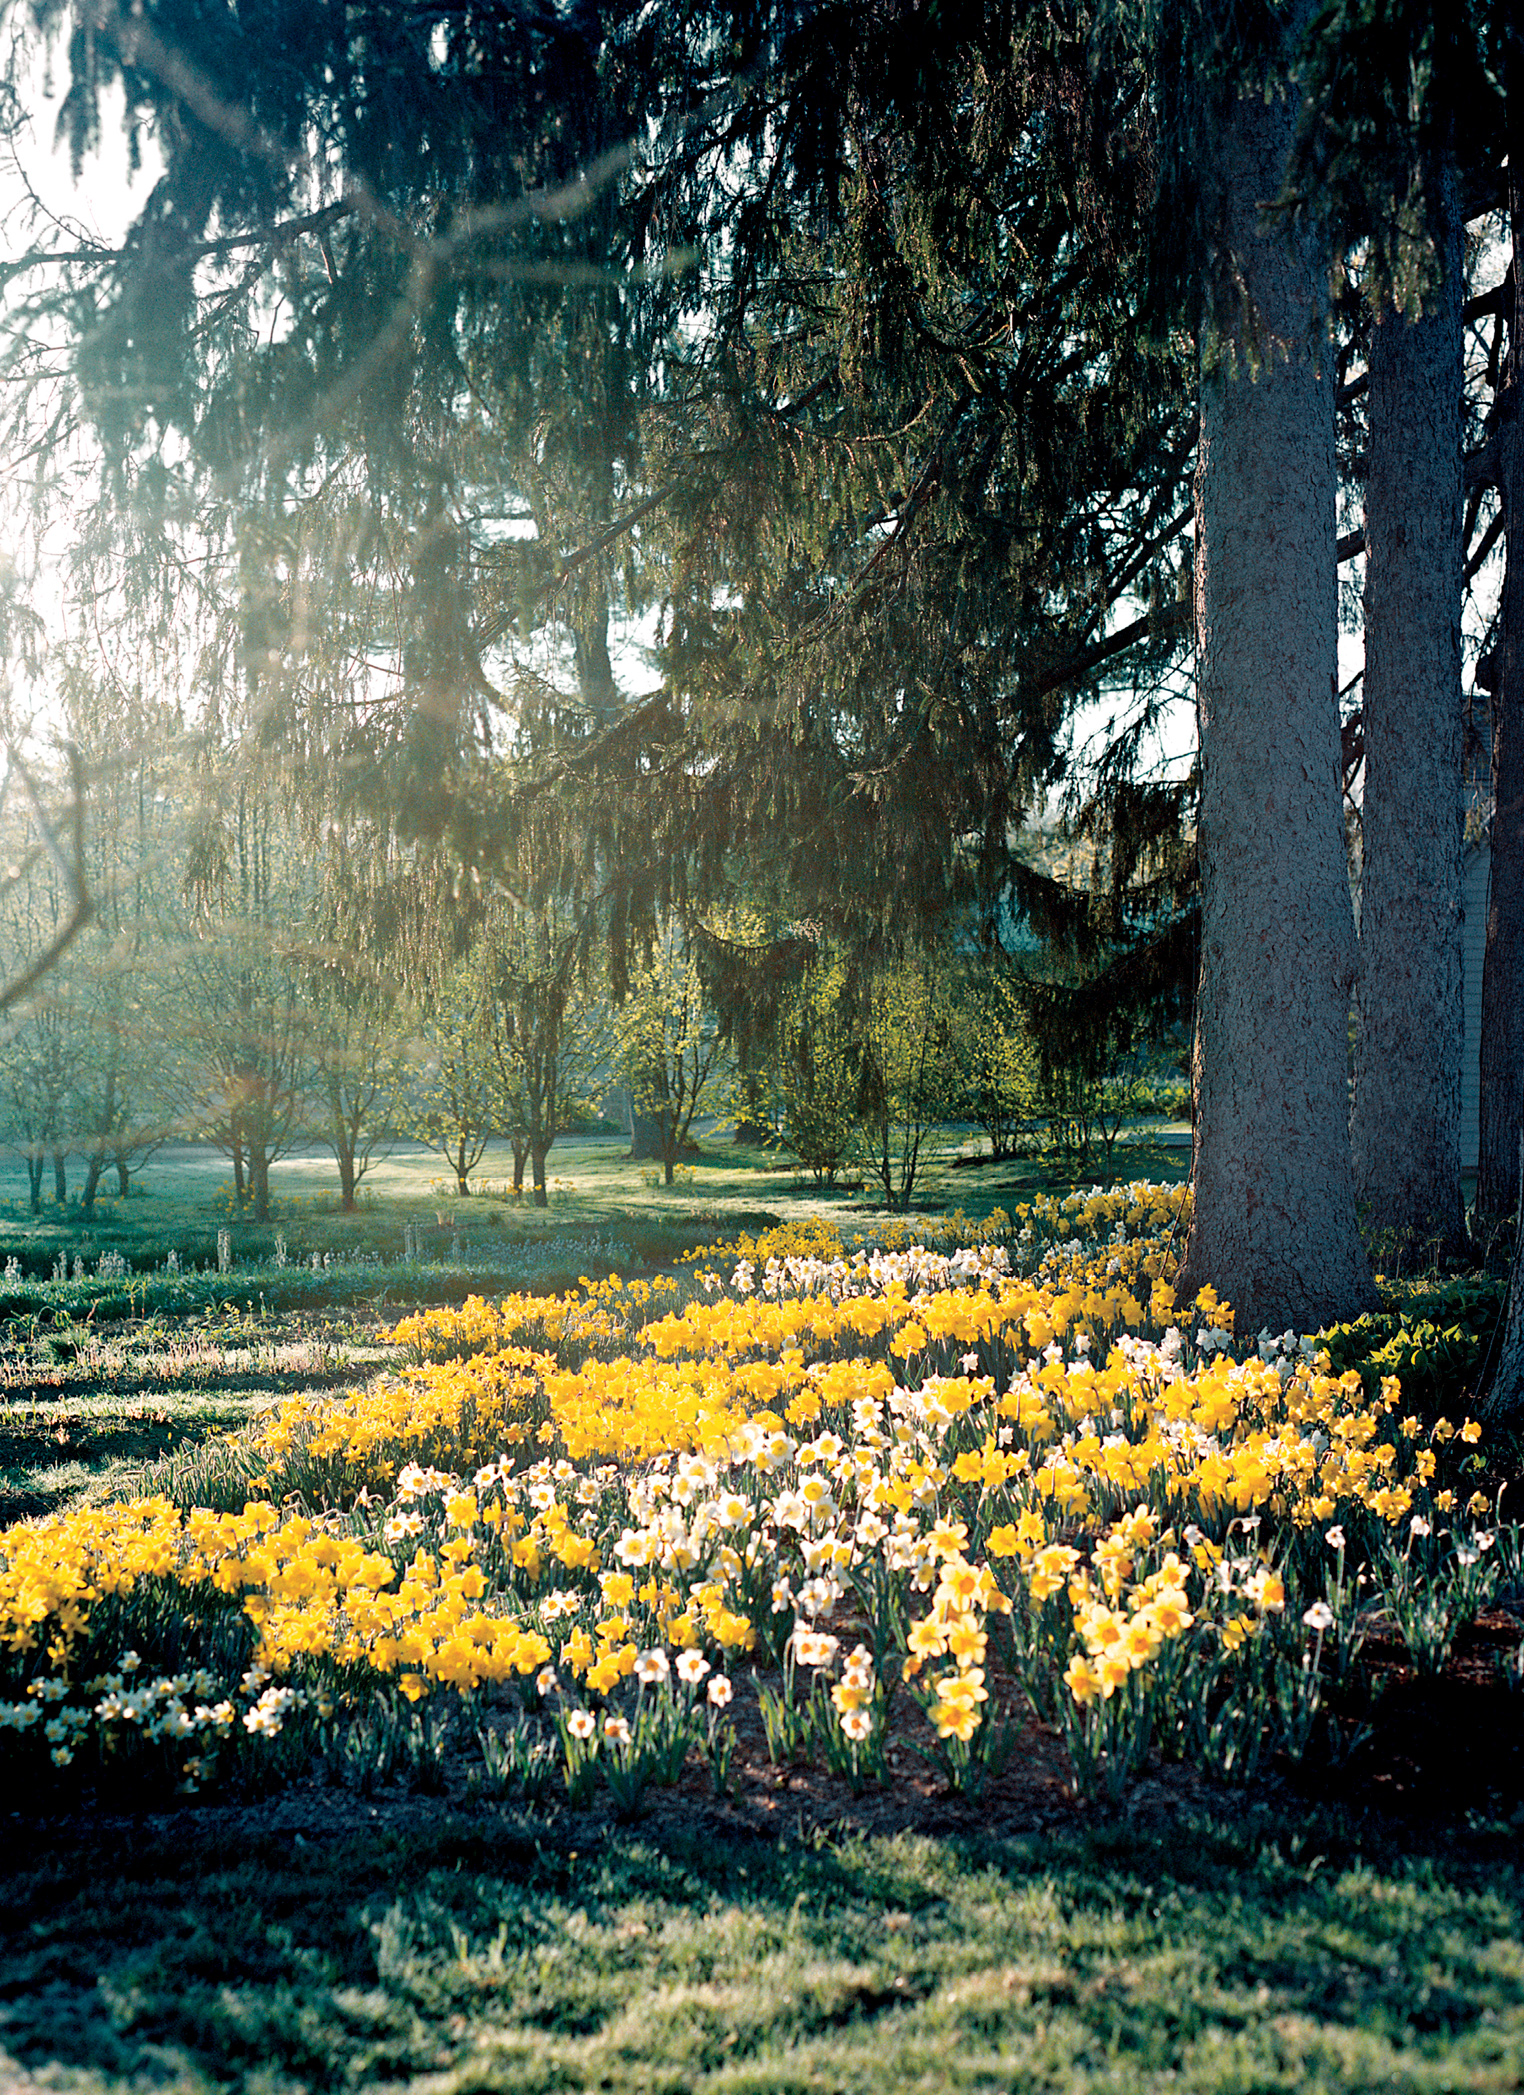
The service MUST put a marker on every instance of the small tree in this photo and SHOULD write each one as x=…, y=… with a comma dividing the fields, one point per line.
x=452, y=1089
x=1090, y=1061
x=359, y=1068
x=117, y=1109
x=997, y=1064
x=40, y=1054
x=817, y=1071
x=669, y=1045
x=245, y=1063
x=546, y=1034
x=908, y=1078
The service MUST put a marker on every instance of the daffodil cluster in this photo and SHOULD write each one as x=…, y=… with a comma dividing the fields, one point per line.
x=974, y=1469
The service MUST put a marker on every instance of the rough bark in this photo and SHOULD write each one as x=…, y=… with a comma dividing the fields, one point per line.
x=1405, y=1127
x=1502, y=1044
x=1274, y=1228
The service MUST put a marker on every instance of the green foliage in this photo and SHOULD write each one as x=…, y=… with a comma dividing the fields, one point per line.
x=818, y=1069
x=908, y=1074
x=999, y=1072
x=452, y=1096
x=1435, y=1336
x=669, y=1043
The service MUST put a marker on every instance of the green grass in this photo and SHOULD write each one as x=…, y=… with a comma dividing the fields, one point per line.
x=470, y=1955
x=88, y=1412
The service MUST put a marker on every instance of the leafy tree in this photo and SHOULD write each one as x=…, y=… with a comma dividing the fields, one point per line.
x=359, y=1067
x=669, y=1043
x=547, y=1032
x=452, y=1093
x=241, y=1018
x=908, y=1075
x=816, y=1067
x=997, y=1063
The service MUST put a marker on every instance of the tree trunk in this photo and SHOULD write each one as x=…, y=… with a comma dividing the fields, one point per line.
x=1405, y=1128
x=520, y=1159
x=35, y=1166
x=1503, y=972
x=60, y=1178
x=646, y=1135
x=123, y=1178
x=1273, y=1226
x=1502, y=1045
x=94, y=1172
x=347, y=1180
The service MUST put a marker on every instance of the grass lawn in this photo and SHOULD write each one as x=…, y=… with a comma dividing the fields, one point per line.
x=315, y=1950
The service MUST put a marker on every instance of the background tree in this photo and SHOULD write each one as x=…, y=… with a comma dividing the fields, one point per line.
x=908, y=1074
x=816, y=1067
x=547, y=1031
x=670, y=1044
x=998, y=1066
x=241, y=1016
x=359, y=1067
x=1405, y=1125
x=452, y=1086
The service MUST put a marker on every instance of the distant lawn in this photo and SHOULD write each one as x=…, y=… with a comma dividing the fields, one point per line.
x=183, y=1196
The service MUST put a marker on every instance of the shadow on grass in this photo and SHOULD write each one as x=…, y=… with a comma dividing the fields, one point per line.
x=211, y=1950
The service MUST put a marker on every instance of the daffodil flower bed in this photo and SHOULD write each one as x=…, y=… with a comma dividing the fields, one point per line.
x=880, y=1479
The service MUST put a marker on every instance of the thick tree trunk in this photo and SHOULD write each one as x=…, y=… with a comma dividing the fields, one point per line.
x=1273, y=1227
x=60, y=1177
x=1503, y=973
x=1405, y=1128
x=1502, y=1045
